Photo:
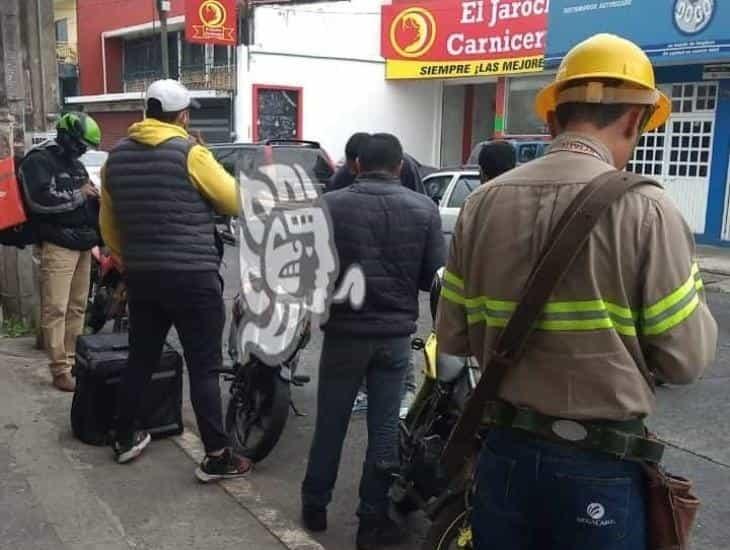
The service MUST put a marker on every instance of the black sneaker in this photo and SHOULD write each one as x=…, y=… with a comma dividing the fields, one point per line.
x=229, y=465
x=314, y=519
x=372, y=535
x=127, y=451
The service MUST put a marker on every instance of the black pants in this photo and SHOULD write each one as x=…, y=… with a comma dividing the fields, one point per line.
x=192, y=302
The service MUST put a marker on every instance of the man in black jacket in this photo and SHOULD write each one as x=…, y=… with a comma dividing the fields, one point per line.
x=395, y=236
x=63, y=204
x=346, y=174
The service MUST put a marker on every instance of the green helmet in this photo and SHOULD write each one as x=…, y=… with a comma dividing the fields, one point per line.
x=81, y=127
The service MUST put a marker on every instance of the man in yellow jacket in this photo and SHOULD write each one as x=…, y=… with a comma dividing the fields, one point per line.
x=161, y=192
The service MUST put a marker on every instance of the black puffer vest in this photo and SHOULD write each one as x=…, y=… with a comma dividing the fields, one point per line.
x=165, y=223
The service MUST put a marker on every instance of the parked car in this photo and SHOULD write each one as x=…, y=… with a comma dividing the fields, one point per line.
x=249, y=156
x=527, y=149
x=93, y=161
x=449, y=189
x=308, y=154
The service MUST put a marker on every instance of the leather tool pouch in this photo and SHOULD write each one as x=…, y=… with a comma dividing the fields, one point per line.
x=671, y=509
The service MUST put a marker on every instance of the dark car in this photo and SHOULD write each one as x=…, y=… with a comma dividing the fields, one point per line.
x=309, y=155
x=527, y=149
x=248, y=157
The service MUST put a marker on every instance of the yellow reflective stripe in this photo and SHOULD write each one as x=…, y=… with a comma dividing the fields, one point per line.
x=557, y=325
x=453, y=279
x=672, y=299
x=558, y=307
x=673, y=320
x=566, y=324
x=481, y=316
x=452, y=296
x=591, y=305
x=699, y=283
x=498, y=305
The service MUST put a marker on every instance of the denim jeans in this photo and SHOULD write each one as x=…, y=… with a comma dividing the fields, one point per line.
x=409, y=383
x=344, y=363
x=532, y=494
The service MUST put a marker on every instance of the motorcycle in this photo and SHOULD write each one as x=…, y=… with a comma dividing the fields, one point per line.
x=108, y=291
x=107, y=294
x=419, y=483
x=260, y=394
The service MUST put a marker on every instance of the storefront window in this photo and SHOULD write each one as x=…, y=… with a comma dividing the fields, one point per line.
x=452, y=128
x=521, y=118
x=482, y=125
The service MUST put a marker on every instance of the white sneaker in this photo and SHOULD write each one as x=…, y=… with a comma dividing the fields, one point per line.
x=406, y=404
x=361, y=403
x=125, y=453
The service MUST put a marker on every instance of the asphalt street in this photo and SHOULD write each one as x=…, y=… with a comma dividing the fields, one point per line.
x=691, y=419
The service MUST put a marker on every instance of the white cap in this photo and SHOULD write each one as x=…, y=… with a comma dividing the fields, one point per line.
x=172, y=95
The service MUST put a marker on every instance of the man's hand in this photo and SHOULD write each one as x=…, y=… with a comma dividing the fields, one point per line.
x=89, y=190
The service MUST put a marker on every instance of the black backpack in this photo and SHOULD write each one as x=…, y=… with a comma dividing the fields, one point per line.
x=25, y=233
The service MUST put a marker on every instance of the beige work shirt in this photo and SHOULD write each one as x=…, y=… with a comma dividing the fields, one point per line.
x=633, y=296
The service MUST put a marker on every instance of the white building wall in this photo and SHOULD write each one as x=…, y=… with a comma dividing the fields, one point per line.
x=332, y=51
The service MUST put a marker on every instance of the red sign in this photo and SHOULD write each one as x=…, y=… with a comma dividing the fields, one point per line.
x=448, y=38
x=12, y=212
x=211, y=22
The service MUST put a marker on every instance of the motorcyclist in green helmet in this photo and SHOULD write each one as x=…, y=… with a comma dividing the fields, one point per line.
x=64, y=208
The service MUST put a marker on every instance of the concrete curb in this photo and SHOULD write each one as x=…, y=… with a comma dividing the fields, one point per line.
x=242, y=491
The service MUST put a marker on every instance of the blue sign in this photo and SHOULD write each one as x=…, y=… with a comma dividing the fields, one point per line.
x=670, y=31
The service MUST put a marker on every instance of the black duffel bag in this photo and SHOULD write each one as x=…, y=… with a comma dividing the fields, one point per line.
x=100, y=360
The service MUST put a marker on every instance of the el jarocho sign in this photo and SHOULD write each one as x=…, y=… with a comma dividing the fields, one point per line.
x=463, y=38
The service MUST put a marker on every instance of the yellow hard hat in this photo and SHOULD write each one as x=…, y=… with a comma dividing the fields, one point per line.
x=590, y=63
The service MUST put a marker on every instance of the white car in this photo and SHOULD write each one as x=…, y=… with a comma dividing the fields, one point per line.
x=93, y=161
x=449, y=190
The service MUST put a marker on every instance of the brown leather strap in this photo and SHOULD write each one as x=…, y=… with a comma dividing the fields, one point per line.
x=566, y=241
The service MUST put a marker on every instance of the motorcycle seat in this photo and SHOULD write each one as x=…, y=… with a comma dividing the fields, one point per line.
x=449, y=367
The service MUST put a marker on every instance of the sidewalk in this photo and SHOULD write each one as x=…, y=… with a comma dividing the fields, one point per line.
x=59, y=494
x=714, y=259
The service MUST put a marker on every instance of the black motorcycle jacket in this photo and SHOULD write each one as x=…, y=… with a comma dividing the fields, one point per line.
x=52, y=183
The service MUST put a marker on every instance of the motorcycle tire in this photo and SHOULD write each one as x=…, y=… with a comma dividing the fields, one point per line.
x=255, y=418
x=96, y=316
x=451, y=529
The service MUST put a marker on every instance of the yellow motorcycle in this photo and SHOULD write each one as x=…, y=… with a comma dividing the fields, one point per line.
x=420, y=483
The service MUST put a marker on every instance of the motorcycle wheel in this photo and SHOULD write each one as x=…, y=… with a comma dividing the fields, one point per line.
x=451, y=529
x=96, y=317
x=256, y=416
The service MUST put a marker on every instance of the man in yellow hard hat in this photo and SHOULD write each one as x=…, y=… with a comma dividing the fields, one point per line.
x=633, y=299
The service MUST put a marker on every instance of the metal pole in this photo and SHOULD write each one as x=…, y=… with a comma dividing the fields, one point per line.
x=42, y=67
x=162, y=7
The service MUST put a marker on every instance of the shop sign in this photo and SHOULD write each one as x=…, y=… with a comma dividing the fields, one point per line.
x=680, y=31
x=211, y=22
x=463, y=38
x=716, y=72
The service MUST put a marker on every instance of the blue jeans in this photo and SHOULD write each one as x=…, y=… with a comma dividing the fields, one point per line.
x=344, y=363
x=531, y=494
